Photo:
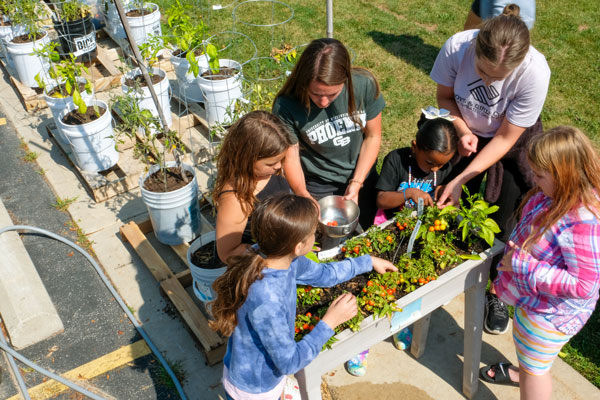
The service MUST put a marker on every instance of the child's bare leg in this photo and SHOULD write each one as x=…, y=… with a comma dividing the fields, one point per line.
x=535, y=387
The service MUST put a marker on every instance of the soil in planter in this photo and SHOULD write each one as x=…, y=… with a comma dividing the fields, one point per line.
x=60, y=89
x=25, y=38
x=182, y=54
x=139, y=12
x=155, y=182
x=140, y=81
x=206, y=257
x=76, y=118
x=223, y=73
x=5, y=23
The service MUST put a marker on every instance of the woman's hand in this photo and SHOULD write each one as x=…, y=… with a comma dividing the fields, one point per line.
x=341, y=310
x=467, y=144
x=451, y=194
x=352, y=191
x=382, y=266
x=415, y=194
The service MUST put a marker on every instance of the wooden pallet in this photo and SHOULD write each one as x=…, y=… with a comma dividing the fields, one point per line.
x=103, y=72
x=103, y=185
x=173, y=286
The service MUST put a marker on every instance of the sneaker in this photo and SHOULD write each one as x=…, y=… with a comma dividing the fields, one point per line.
x=357, y=365
x=402, y=339
x=496, y=315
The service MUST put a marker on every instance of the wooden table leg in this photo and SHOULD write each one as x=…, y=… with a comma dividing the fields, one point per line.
x=474, y=309
x=419, y=339
x=310, y=385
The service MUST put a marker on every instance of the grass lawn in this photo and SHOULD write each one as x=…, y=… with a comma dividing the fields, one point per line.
x=399, y=41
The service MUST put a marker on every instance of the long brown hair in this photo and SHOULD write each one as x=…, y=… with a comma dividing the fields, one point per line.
x=327, y=61
x=504, y=39
x=278, y=224
x=569, y=157
x=257, y=135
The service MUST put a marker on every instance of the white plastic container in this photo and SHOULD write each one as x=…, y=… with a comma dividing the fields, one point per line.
x=189, y=86
x=27, y=64
x=220, y=95
x=146, y=25
x=145, y=99
x=203, y=277
x=57, y=105
x=92, y=144
x=175, y=215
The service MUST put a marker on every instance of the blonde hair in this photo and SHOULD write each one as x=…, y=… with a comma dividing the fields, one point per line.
x=504, y=39
x=569, y=157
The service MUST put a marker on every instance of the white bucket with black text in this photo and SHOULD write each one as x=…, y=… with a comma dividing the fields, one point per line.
x=175, y=215
x=189, y=85
x=220, y=95
x=145, y=100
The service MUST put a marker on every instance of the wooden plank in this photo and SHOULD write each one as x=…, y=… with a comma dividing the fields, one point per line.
x=185, y=278
x=32, y=101
x=191, y=314
x=181, y=251
x=103, y=185
x=160, y=270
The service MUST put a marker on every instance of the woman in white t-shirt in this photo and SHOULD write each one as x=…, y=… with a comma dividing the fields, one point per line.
x=494, y=83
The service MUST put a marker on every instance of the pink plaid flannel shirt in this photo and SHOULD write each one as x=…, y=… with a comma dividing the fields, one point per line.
x=560, y=276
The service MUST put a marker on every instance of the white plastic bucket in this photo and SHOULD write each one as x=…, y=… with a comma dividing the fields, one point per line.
x=189, y=86
x=146, y=25
x=92, y=144
x=6, y=33
x=57, y=105
x=175, y=215
x=203, y=277
x=220, y=95
x=27, y=64
x=145, y=99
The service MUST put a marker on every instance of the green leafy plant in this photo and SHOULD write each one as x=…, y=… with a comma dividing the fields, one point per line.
x=379, y=295
x=66, y=74
x=152, y=141
x=72, y=10
x=187, y=34
x=213, y=58
x=29, y=13
x=306, y=296
x=474, y=220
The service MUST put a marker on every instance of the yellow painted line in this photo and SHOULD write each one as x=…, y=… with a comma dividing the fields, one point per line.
x=2, y=121
x=90, y=370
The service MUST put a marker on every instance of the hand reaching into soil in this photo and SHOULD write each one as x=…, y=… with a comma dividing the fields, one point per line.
x=382, y=266
x=341, y=310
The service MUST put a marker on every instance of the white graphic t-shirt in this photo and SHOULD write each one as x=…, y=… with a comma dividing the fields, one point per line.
x=519, y=97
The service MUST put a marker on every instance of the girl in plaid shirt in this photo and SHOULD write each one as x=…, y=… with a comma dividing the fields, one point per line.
x=550, y=270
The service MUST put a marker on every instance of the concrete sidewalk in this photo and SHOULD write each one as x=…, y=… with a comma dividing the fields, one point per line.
x=392, y=374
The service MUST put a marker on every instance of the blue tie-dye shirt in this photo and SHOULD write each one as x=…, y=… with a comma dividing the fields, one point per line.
x=262, y=350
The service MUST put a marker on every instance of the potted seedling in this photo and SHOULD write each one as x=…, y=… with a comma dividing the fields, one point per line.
x=21, y=46
x=221, y=85
x=76, y=32
x=7, y=31
x=66, y=84
x=169, y=188
x=144, y=20
x=188, y=58
x=133, y=81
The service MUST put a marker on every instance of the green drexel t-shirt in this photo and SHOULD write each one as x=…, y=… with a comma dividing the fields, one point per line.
x=329, y=140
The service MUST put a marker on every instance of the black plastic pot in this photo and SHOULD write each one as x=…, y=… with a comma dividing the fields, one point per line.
x=77, y=37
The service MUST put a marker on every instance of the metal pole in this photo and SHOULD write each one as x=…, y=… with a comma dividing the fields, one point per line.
x=140, y=62
x=330, y=18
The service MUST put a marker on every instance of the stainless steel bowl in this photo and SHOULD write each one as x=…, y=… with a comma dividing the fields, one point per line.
x=344, y=212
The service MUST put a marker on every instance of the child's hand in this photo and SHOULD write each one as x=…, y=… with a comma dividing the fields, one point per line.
x=415, y=194
x=341, y=310
x=506, y=263
x=382, y=266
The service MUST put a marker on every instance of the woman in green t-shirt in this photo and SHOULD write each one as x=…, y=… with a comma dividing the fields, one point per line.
x=333, y=111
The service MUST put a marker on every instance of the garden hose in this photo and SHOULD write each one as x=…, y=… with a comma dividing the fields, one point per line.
x=4, y=346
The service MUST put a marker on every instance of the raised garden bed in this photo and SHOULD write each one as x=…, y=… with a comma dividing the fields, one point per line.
x=441, y=267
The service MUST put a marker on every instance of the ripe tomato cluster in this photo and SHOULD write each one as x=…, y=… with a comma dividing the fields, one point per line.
x=332, y=223
x=304, y=324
